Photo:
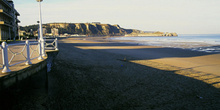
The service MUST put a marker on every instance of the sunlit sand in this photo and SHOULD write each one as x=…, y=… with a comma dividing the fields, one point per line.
x=204, y=68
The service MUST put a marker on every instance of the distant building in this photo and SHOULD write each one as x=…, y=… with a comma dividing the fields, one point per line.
x=22, y=33
x=59, y=25
x=36, y=33
x=44, y=31
x=55, y=32
x=96, y=22
x=8, y=20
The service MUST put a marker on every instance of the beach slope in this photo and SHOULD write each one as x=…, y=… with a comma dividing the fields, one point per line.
x=94, y=73
x=97, y=73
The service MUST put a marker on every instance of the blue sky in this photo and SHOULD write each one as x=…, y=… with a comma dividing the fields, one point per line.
x=181, y=16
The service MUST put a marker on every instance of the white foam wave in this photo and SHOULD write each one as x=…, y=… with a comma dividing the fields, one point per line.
x=196, y=43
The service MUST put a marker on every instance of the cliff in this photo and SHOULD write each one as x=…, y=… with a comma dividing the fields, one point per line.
x=90, y=29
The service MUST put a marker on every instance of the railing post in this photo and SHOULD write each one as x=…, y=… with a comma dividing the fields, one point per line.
x=43, y=47
x=56, y=44
x=5, y=58
x=28, y=53
x=40, y=50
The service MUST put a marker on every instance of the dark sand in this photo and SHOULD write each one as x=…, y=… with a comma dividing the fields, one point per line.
x=112, y=75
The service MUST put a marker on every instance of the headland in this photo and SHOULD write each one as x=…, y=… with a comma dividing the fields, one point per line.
x=89, y=29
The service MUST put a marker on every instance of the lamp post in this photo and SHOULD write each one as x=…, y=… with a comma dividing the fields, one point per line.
x=40, y=29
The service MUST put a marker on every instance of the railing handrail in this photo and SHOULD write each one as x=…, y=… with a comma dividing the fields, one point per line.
x=34, y=42
x=54, y=44
x=27, y=47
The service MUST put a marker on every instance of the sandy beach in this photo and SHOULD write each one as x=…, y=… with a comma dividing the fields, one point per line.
x=97, y=73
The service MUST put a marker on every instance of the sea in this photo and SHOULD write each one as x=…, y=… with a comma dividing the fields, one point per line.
x=196, y=42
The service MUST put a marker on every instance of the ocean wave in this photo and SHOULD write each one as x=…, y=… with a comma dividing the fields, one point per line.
x=211, y=49
x=204, y=43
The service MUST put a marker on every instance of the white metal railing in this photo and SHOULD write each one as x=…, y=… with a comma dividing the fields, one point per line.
x=51, y=44
x=24, y=46
x=13, y=54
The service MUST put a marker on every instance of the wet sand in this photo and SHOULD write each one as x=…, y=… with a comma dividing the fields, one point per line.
x=111, y=75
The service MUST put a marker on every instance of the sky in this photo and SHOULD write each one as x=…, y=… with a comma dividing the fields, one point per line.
x=180, y=16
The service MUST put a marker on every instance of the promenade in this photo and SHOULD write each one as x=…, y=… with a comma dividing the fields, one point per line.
x=94, y=73
x=22, y=53
x=23, y=59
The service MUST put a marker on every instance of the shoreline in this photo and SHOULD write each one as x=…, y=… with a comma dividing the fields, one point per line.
x=182, y=46
x=194, y=46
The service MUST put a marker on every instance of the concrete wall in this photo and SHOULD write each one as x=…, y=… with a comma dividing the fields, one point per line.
x=15, y=77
